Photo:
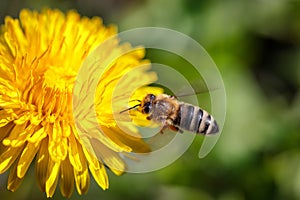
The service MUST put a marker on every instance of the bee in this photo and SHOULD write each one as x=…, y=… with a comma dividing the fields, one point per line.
x=176, y=115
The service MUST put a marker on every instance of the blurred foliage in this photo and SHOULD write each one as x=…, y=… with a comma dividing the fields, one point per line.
x=255, y=44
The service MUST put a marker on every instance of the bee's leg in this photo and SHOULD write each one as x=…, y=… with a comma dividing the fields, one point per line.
x=168, y=123
x=176, y=129
x=149, y=117
x=165, y=125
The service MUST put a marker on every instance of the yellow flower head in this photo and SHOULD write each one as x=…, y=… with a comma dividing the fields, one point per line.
x=40, y=56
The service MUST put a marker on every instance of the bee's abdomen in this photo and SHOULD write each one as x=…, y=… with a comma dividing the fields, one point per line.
x=194, y=119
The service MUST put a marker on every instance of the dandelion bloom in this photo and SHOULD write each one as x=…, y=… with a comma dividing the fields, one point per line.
x=40, y=55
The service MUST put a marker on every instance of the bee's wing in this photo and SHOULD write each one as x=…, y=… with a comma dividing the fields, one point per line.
x=195, y=87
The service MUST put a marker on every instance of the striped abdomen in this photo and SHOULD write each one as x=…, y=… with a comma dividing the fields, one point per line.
x=194, y=119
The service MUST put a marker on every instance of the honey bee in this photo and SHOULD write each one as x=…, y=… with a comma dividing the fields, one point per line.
x=176, y=115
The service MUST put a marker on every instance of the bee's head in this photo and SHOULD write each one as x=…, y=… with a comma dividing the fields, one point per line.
x=147, y=103
x=144, y=106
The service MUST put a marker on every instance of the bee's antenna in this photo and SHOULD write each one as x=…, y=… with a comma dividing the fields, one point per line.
x=130, y=108
x=135, y=100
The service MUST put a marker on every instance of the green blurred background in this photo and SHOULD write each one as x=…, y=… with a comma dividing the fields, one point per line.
x=255, y=44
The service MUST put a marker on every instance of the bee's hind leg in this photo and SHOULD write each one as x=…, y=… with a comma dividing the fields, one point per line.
x=175, y=128
x=168, y=123
x=165, y=125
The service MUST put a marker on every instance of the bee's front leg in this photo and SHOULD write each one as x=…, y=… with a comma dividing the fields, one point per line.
x=149, y=117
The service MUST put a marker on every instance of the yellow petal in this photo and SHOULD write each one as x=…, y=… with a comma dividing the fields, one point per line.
x=14, y=134
x=16, y=31
x=41, y=165
x=37, y=136
x=66, y=129
x=66, y=178
x=97, y=169
x=82, y=180
x=8, y=157
x=23, y=118
x=74, y=154
x=114, y=136
x=13, y=180
x=5, y=130
x=57, y=143
x=127, y=138
x=26, y=158
x=100, y=176
x=82, y=177
x=5, y=117
x=52, y=177
x=110, y=158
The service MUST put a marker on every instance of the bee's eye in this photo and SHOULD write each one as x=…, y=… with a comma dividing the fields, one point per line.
x=152, y=97
x=147, y=108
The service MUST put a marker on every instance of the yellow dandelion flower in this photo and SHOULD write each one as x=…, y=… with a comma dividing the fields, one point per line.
x=40, y=55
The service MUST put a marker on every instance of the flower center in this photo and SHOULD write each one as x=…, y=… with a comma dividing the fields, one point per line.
x=59, y=78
